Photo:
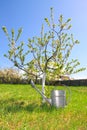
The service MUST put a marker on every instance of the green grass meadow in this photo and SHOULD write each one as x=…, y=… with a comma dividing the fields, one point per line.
x=21, y=109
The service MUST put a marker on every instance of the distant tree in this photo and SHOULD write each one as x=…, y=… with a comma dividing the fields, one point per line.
x=50, y=52
x=10, y=75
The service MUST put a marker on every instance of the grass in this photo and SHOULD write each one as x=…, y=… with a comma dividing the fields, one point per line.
x=21, y=109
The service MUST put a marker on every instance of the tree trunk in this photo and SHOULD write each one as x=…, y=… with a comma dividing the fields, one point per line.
x=43, y=85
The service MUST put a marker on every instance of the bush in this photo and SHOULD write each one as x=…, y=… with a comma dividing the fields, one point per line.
x=10, y=75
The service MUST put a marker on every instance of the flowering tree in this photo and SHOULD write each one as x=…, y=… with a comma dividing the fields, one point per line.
x=50, y=52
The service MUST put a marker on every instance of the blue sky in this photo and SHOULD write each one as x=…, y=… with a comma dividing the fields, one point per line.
x=30, y=15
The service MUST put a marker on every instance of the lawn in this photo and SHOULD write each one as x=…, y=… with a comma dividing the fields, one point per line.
x=21, y=109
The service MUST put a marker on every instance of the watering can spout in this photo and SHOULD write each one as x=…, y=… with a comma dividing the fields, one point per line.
x=33, y=85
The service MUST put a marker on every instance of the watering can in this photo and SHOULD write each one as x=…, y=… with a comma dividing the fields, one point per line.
x=58, y=97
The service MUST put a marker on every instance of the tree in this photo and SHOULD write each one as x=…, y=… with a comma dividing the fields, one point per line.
x=50, y=52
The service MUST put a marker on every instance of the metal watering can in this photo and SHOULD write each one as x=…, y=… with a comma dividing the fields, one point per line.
x=58, y=97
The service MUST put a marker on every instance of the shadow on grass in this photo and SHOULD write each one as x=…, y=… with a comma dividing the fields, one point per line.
x=13, y=106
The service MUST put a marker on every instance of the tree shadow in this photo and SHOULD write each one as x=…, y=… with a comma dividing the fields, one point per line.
x=12, y=106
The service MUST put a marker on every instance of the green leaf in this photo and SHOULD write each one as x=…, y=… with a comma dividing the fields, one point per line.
x=69, y=27
x=77, y=42
x=69, y=20
x=4, y=29
x=61, y=18
x=12, y=31
x=47, y=21
x=19, y=33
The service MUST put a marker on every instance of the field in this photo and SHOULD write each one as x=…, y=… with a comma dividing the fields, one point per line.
x=21, y=109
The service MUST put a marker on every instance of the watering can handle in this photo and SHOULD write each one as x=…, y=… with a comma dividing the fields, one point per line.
x=69, y=91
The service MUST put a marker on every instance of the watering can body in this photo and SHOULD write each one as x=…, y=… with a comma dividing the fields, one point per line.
x=58, y=98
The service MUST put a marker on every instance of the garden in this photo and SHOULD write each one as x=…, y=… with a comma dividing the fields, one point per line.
x=45, y=58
